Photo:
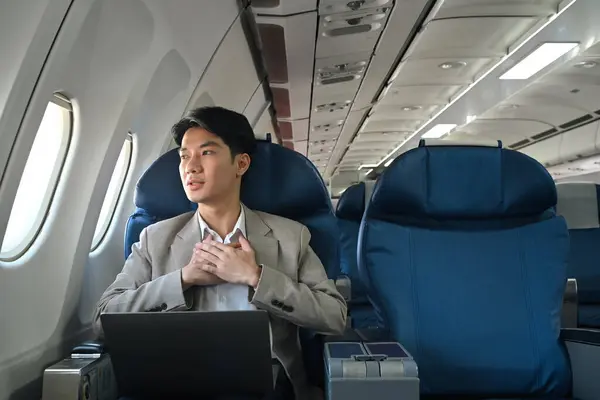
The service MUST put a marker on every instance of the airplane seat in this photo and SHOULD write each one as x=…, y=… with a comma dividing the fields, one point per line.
x=283, y=182
x=159, y=195
x=578, y=204
x=349, y=213
x=463, y=256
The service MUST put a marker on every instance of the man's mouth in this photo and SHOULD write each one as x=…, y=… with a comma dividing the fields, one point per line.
x=195, y=185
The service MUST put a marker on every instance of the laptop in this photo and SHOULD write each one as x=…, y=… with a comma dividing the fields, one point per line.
x=175, y=355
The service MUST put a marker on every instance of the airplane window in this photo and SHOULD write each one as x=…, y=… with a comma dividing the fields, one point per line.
x=113, y=193
x=40, y=176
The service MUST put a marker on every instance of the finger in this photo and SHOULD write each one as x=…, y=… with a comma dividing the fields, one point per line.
x=210, y=268
x=245, y=244
x=210, y=248
x=210, y=257
x=209, y=238
x=222, y=247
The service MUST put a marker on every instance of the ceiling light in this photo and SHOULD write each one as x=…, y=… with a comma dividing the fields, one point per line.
x=411, y=108
x=438, y=131
x=586, y=64
x=452, y=65
x=539, y=59
x=471, y=118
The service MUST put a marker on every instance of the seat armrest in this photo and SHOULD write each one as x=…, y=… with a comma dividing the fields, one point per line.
x=583, y=346
x=344, y=286
x=570, y=311
x=89, y=347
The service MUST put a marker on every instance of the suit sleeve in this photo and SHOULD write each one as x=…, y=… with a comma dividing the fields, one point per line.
x=134, y=290
x=313, y=302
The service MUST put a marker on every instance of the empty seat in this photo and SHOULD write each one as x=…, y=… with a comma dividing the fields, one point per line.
x=578, y=204
x=349, y=211
x=462, y=253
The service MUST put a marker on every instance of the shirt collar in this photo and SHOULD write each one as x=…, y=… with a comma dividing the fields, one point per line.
x=240, y=226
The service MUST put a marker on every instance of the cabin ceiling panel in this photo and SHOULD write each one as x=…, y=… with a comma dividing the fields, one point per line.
x=390, y=137
x=474, y=8
x=388, y=125
x=283, y=7
x=586, y=98
x=433, y=71
x=419, y=95
x=350, y=32
x=509, y=131
x=469, y=37
x=519, y=110
x=414, y=112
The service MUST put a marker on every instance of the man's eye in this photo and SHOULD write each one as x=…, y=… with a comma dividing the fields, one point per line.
x=207, y=152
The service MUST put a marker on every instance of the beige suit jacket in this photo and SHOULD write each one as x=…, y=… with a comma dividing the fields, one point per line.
x=293, y=286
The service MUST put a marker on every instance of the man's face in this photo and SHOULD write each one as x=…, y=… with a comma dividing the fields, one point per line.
x=208, y=171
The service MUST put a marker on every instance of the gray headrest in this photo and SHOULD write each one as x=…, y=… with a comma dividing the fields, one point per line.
x=578, y=204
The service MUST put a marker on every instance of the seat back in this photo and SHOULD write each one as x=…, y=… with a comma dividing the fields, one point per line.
x=578, y=204
x=349, y=213
x=463, y=256
x=159, y=195
x=283, y=182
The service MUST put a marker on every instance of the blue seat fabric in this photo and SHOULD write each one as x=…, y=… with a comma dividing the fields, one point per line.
x=159, y=195
x=465, y=261
x=349, y=212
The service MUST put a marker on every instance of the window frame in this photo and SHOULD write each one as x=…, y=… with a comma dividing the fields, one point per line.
x=67, y=135
x=105, y=227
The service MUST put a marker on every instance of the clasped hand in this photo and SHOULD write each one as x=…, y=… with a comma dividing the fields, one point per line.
x=215, y=262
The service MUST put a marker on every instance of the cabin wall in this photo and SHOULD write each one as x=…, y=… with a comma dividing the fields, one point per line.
x=126, y=65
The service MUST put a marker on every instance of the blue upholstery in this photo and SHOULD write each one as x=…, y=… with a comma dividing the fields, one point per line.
x=283, y=182
x=467, y=267
x=159, y=195
x=349, y=211
x=580, y=209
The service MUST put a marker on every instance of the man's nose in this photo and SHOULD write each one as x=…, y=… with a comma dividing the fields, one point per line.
x=194, y=166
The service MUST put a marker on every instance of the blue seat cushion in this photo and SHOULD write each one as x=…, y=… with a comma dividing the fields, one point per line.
x=470, y=331
x=589, y=315
x=584, y=264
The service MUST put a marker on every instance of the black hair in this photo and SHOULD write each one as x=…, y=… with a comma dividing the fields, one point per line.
x=233, y=128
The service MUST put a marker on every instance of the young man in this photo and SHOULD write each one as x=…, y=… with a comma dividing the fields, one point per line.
x=188, y=262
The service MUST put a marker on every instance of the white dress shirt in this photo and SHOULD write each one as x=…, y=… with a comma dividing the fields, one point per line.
x=226, y=296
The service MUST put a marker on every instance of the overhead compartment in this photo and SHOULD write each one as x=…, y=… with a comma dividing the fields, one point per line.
x=288, y=44
x=283, y=7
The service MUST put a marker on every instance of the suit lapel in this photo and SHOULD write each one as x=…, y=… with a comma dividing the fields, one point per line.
x=183, y=245
x=265, y=245
x=258, y=232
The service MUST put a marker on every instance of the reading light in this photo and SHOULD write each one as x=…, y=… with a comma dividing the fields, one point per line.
x=438, y=131
x=539, y=59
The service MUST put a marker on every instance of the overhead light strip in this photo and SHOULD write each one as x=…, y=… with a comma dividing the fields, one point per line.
x=539, y=59
x=485, y=75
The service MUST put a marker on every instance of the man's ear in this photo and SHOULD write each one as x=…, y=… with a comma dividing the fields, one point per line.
x=243, y=163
